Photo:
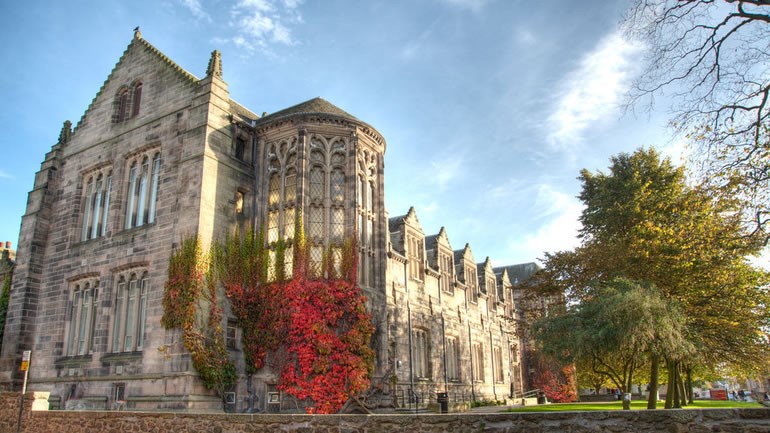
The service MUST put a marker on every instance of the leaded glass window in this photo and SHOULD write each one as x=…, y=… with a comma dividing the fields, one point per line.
x=337, y=225
x=316, y=184
x=338, y=185
x=288, y=223
x=316, y=222
x=272, y=226
x=290, y=189
x=274, y=195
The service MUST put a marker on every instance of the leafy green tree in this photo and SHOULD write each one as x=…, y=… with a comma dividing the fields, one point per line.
x=613, y=330
x=642, y=221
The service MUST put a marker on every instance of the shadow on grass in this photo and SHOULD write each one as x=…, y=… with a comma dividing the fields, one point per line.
x=635, y=405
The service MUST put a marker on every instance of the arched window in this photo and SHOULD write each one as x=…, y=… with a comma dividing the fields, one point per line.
x=97, y=205
x=137, y=100
x=130, y=313
x=122, y=106
x=82, y=318
x=143, y=182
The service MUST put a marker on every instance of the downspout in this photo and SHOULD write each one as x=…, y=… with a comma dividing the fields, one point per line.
x=494, y=366
x=443, y=329
x=470, y=346
x=409, y=329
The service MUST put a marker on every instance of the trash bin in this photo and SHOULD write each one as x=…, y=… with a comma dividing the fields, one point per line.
x=443, y=400
x=541, y=399
x=230, y=402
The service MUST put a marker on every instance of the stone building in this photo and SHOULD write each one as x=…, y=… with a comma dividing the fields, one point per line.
x=159, y=155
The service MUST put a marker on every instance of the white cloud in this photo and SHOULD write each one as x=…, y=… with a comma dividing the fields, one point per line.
x=525, y=37
x=474, y=5
x=195, y=8
x=559, y=213
x=443, y=172
x=260, y=23
x=592, y=93
x=506, y=190
x=4, y=175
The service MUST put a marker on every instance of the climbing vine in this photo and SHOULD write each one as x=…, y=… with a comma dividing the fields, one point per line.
x=314, y=328
x=190, y=303
x=5, y=296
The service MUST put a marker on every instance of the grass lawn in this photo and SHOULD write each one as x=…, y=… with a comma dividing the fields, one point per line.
x=635, y=405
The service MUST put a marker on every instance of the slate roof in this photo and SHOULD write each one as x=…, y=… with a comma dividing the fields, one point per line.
x=313, y=106
x=395, y=222
x=520, y=272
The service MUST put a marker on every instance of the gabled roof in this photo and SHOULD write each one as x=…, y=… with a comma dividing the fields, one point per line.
x=313, y=106
x=459, y=254
x=396, y=222
x=139, y=43
x=521, y=272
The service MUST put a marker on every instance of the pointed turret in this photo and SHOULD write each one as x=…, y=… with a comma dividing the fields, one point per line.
x=215, y=65
x=66, y=132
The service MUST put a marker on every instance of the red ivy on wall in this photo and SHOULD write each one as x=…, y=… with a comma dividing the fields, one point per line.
x=319, y=323
x=328, y=354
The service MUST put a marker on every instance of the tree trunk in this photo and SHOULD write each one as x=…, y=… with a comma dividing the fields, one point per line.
x=682, y=388
x=670, y=385
x=654, y=367
x=689, y=385
x=677, y=399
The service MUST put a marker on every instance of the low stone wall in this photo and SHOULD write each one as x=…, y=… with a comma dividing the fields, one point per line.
x=680, y=421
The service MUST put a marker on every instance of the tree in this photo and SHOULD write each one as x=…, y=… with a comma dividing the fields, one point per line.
x=5, y=292
x=712, y=57
x=613, y=330
x=587, y=378
x=643, y=222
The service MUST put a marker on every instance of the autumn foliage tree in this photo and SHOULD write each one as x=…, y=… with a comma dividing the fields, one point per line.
x=644, y=223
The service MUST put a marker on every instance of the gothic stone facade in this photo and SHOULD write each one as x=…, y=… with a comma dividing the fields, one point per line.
x=160, y=155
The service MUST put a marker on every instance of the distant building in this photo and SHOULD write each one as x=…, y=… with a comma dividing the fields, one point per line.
x=159, y=155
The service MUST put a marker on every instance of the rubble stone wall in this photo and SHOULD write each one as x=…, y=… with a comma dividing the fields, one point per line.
x=681, y=421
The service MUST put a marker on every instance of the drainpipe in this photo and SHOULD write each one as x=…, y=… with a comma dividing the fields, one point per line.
x=470, y=346
x=443, y=331
x=409, y=329
x=492, y=351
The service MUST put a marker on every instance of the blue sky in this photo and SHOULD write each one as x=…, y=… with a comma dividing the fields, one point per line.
x=490, y=108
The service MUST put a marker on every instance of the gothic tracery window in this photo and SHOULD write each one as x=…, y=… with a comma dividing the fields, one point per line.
x=327, y=195
x=281, y=200
x=97, y=205
x=366, y=207
x=130, y=312
x=82, y=318
x=143, y=180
